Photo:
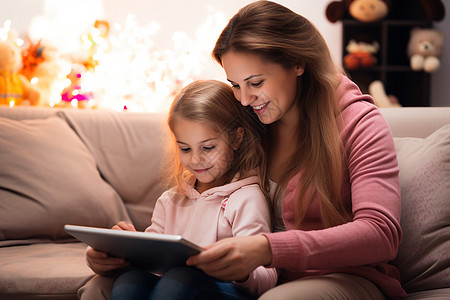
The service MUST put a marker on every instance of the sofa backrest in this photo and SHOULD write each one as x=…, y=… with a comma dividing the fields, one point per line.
x=416, y=121
x=128, y=149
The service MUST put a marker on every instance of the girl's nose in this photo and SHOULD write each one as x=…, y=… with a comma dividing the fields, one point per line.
x=196, y=158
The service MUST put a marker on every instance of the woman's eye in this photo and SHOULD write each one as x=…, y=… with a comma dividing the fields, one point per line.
x=256, y=84
x=209, y=148
x=185, y=149
x=235, y=86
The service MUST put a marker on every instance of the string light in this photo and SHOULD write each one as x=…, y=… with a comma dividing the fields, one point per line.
x=124, y=68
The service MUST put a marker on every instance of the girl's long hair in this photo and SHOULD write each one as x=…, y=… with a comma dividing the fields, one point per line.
x=277, y=34
x=213, y=103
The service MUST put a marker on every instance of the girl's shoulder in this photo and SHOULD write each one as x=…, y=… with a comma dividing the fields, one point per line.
x=249, y=190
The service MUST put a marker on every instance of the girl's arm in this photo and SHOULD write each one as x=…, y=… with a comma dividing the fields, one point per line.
x=158, y=216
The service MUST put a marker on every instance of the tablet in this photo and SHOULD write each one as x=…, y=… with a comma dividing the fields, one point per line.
x=151, y=251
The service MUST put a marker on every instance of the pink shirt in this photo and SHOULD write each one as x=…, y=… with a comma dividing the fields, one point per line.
x=235, y=209
x=372, y=194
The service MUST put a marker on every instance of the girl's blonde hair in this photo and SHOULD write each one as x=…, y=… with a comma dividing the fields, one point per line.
x=213, y=103
x=277, y=34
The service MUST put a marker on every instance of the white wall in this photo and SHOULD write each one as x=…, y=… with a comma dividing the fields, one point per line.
x=187, y=15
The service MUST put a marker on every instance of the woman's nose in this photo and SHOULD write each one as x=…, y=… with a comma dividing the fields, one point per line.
x=247, y=97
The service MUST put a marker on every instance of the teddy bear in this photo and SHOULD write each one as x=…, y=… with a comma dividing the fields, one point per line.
x=15, y=89
x=425, y=48
x=362, y=10
x=360, y=54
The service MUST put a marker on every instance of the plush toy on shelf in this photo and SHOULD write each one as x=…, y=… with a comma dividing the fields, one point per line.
x=15, y=89
x=434, y=9
x=360, y=54
x=378, y=93
x=367, y=11
x=425, y=48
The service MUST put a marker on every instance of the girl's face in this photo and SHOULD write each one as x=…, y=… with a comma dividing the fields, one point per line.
x=267, y=87
x=203, y=151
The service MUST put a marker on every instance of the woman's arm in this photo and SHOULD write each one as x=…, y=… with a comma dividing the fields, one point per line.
x=372, y=186
x=234, y=258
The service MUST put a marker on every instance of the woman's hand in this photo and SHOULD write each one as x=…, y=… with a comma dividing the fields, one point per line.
x=233, y=258
x=102, y=263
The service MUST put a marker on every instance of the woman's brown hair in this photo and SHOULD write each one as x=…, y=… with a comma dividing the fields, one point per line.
x=277, y=34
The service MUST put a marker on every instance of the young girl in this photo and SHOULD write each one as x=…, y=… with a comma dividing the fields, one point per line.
x=216, y=195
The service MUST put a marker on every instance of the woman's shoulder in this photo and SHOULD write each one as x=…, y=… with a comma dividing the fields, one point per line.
x=357, y=109
x=350, y=96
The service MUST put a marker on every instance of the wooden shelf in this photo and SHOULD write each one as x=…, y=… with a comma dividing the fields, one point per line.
x=412, y=88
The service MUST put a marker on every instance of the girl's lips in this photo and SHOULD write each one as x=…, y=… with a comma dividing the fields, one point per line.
x=201, y=170
x=260, y=108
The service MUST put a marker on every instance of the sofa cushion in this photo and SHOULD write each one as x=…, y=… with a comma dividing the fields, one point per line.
x=49, y=178
x=43, y=271
x=423, y=258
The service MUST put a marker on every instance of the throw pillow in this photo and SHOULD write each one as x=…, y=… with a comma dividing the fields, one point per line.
x=49, y=178
x=423, y=258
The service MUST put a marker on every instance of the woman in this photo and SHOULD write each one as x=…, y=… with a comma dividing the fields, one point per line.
x=331, y=166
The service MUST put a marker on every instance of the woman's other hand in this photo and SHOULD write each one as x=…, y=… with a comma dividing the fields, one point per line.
x=233, y=258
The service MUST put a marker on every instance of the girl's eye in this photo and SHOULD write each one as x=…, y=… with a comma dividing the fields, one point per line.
x=209, y=148
x=185, y=149
x=256, y=84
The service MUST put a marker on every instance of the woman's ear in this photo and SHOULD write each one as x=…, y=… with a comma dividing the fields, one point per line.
x=300, y=69
x=238, y=138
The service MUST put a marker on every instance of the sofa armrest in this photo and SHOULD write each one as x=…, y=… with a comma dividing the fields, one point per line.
x=416, y=121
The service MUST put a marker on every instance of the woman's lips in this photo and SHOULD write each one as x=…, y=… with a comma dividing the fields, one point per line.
x=260, y=108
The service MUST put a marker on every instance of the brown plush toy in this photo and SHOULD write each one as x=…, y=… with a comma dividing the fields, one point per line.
x=362, y=10
x=14, y=87
x=375, y=10
x=434, y=9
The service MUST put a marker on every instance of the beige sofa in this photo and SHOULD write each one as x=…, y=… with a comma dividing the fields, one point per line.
x=61, y=166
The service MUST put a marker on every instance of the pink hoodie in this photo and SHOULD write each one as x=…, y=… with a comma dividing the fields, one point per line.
x=372, y=194
x=235, y=209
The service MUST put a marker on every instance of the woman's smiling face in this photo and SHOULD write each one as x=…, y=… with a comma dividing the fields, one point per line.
x=269, y=88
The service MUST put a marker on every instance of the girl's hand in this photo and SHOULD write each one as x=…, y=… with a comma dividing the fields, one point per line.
x=124, y=226
x=233, y=258
x=102, y=263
